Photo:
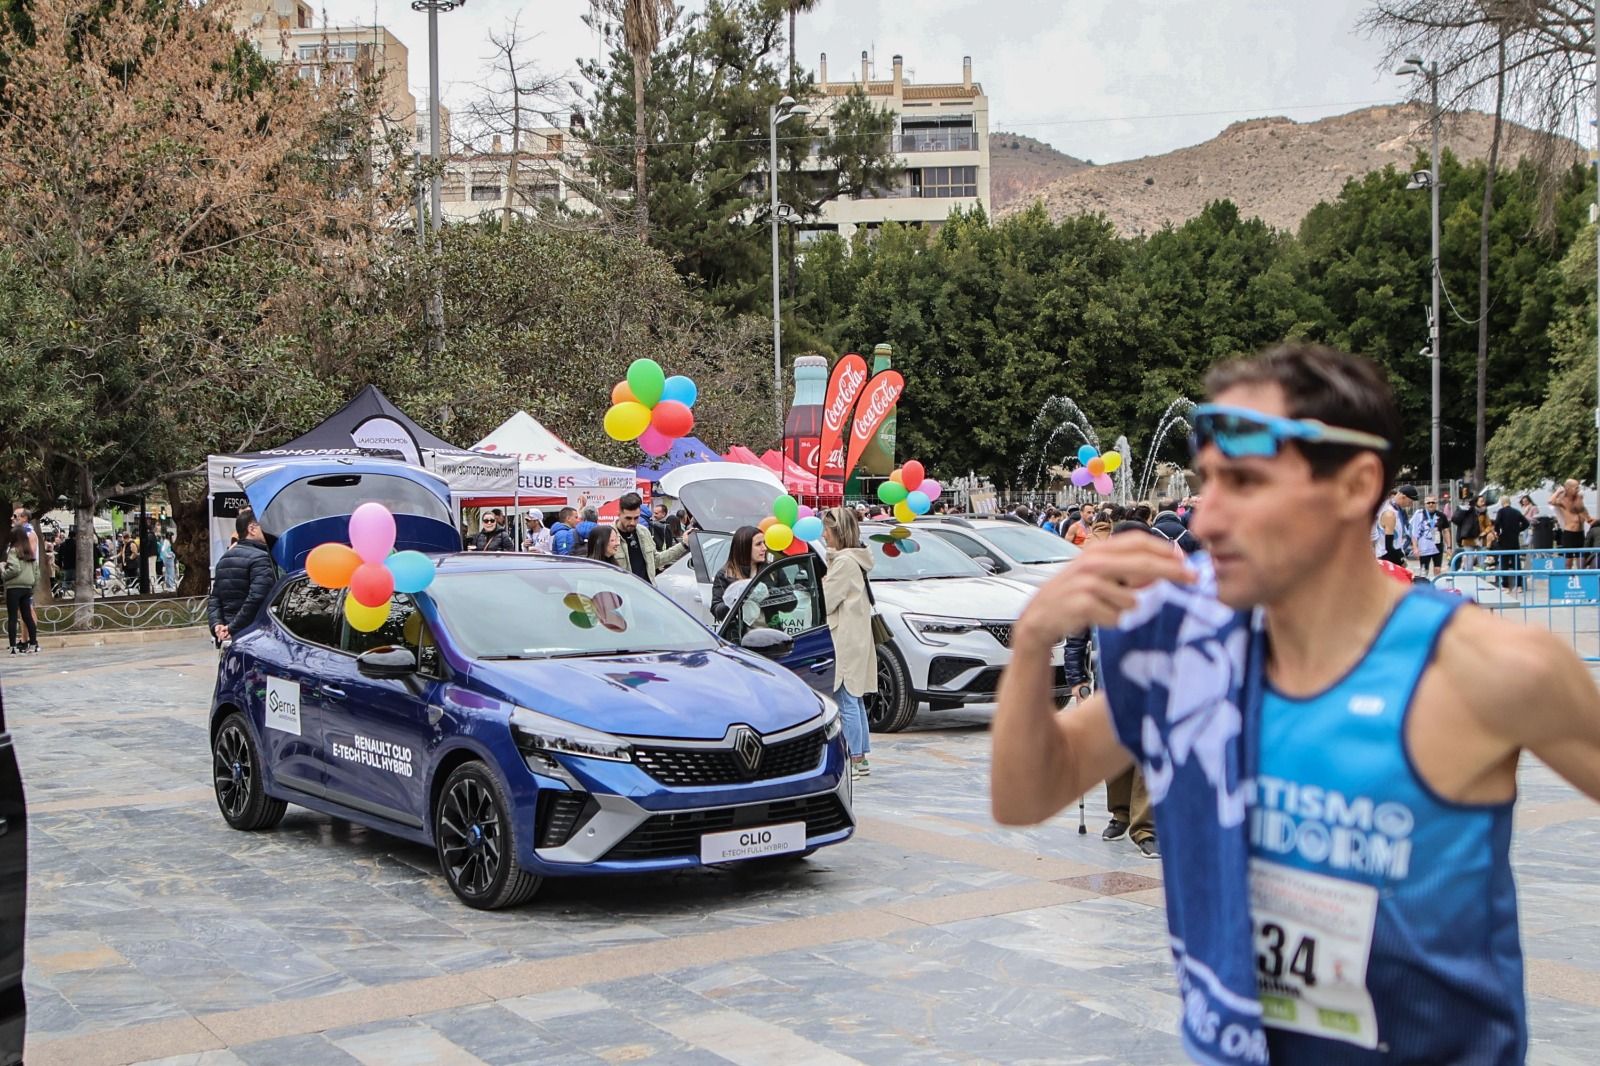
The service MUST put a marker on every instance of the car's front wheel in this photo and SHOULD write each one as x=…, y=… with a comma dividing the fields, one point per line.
x=236, y=777
x=894, y=705
x=476, y=838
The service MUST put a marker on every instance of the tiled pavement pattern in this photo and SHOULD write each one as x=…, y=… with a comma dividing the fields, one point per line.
x=156, y=933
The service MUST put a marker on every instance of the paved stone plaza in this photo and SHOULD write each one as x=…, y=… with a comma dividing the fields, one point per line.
x=156, y=933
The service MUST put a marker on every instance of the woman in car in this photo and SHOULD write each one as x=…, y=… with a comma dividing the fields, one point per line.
x=601, y=543
x=844, y=587
x=746, y=555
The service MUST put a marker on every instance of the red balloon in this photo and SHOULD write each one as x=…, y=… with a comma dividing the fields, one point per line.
x=372, y=584
x=672, y=419
x=796, y=547
x=911, y=474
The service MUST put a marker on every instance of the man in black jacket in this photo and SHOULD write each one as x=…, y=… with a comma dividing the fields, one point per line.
x=1172, y=526
x=243, y=579
x=1509, y=523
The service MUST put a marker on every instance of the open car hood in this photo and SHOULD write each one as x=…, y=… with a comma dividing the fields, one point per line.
x=724, y=496
x=306, y=503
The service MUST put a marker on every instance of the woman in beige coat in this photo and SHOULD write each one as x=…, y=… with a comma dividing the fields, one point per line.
x=844, y=588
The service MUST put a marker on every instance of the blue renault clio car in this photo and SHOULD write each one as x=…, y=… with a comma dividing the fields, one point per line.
x=527, y=716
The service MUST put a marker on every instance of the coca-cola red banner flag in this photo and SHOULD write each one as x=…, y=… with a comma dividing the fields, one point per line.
x=881, y=394
x=844, y=385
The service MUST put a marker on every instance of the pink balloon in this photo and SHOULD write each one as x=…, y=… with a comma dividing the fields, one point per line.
x=807, y=512
x=1102, y=484
x=931, y=488
x=1082, y=478
x=655, y=443
x=372, y=532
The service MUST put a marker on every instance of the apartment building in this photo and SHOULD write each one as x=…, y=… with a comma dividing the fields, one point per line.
x=285, y=31
x=941, y=148
x=549, y=165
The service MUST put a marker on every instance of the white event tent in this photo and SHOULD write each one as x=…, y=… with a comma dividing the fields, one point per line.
x=550, y=474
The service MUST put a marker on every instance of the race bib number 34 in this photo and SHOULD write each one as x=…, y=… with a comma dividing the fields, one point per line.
x=1313, y=934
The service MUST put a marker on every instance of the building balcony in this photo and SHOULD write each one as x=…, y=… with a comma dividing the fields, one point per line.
x=936, y=141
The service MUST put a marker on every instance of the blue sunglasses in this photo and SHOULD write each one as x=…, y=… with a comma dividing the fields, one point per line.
x=1240, y=433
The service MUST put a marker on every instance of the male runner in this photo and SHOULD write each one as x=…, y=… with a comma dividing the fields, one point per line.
x=1332, y=756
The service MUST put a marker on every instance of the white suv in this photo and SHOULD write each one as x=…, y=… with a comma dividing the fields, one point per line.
x=1015, y=550
x=951, y=622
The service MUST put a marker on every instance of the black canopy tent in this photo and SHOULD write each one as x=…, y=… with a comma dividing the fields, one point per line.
x=371, y=426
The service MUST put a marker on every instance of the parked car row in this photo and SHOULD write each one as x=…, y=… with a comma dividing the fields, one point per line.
x=535, y=716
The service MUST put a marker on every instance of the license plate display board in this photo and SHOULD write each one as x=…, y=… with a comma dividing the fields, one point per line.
x=753, y=843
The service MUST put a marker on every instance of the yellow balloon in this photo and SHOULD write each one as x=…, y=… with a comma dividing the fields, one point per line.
x=364, y=619
x=1113, y=461
x=779, y=537
x=625, y=421
x=904, y=513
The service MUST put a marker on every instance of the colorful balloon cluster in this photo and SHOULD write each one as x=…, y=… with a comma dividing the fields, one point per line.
x=910, y=491
x=1096, y=469
x=791, y=526
x=896, y=542
x=651, y=408
x=368, y=569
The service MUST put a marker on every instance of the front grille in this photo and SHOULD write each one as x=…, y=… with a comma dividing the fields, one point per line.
x=988, y=682
x=558, y=816
x=721, y=766
x=946, y=668
x=669, y=836
x=1000, y=631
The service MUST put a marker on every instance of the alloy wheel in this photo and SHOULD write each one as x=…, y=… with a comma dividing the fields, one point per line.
x=232, y=770
x=470, y=838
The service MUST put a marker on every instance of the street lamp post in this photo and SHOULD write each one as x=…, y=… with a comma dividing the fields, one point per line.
x=433, y=7
x=1430, y=180
x=780, y=112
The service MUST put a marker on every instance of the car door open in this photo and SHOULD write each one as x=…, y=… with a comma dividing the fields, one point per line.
x=786, y=595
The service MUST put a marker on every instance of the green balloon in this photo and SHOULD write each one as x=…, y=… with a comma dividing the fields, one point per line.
x=786, y=509
x=891, y=492
x=646, y=380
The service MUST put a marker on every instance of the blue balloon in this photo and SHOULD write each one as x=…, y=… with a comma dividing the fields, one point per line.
x=808, y=529
x=1087, y=452
x=681, y=389
x=412, y=571
x=918, y=502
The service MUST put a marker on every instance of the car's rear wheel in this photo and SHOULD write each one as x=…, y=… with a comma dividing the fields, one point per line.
x=236, y=777
x=476, y=838
x=894, y=705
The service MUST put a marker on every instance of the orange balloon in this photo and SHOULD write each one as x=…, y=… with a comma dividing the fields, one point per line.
x=770, y=520
x=1097, y=466
x=621, y=393
x=897, y=477
x=331, y=565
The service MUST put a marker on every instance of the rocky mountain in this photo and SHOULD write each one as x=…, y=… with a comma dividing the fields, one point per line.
x=1273, y=168
x=1020, y=168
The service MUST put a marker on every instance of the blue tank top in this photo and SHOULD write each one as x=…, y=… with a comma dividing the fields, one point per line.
x=1385, y=916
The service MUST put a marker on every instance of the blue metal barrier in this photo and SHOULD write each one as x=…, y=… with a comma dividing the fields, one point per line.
x=1555, y=588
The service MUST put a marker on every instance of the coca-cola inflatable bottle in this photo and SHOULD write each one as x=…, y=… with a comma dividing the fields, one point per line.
x=802, y=430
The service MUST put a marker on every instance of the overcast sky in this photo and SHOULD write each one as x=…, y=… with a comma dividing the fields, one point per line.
x=1099, y=79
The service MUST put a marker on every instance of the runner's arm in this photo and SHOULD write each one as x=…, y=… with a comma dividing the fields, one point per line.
x=1562, y=725
x=1045, y=758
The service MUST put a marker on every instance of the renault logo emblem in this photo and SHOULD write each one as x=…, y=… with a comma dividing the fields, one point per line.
x=747, y=748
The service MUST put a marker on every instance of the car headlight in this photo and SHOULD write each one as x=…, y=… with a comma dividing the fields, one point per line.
x=832, y=724
x=540, y=732
x=930, y=628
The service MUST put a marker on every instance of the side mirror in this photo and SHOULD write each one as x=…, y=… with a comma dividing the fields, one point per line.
x=387, y=663
x=987, y=563
x=772, y=644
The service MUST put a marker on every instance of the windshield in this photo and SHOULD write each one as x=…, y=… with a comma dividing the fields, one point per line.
x=567, y=611
x=932, y=558
x=1029, y=544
